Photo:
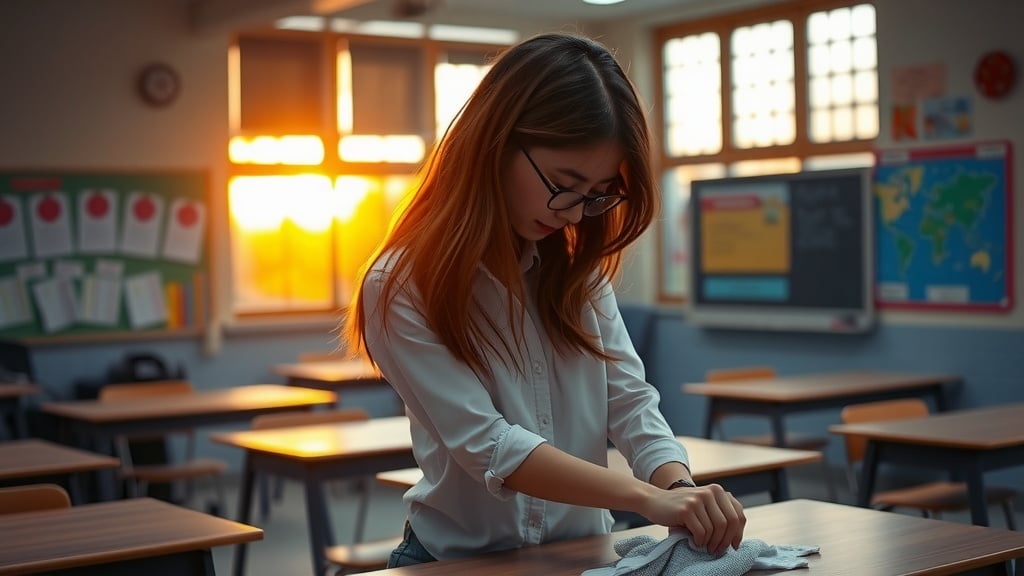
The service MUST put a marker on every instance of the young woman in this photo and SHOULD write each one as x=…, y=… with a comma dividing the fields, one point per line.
x=489, y=309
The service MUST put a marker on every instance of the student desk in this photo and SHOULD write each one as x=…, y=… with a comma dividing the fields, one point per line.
x=852, y=540
x=11, y=409
x=963, y=442
x=313, y=455
x=780, y=396
x=330, y=375
x=334, y=375
x=97, y=423
x=120, y=538
x=740, y=468
x=34, y=458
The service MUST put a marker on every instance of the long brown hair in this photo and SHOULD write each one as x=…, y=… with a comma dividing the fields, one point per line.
x=552, y=90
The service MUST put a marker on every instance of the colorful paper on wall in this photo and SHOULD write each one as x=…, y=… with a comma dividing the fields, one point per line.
x=12, y=229
x=145, y=298
x=50, y=217
x=140, y=230
x=185, y=225
x=97, y=221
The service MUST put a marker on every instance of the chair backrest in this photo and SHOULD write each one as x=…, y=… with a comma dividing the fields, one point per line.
x=305, y=418
x=32, y=497
x=135, y=390
x=903, y=409
x=742, y=373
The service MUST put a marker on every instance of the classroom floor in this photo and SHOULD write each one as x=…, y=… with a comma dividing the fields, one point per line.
x=285, y=547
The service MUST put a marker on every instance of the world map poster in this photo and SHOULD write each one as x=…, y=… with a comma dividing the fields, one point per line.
x=945, y=232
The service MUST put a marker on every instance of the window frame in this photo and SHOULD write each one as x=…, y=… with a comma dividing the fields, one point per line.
x=802, y=146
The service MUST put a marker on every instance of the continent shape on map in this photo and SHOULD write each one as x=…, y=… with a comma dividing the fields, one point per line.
x=942, y=233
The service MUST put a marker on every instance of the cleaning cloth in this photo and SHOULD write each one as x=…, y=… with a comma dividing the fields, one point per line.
x=677, y=555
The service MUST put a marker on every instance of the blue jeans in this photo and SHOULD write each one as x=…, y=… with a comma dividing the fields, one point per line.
x=410, y=551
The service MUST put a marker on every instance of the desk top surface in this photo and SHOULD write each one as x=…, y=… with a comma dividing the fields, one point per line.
x=332, y=371
x=239, y=399
x=326, y=441
x=977, y=428
x=18, y=390
x=852, y=541
x=109, y=532
x=34, y=457
x=817, y=386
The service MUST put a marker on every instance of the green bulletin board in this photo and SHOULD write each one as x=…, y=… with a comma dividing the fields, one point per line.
x=88, y=255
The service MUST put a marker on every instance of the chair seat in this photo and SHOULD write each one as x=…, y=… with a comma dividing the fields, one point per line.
x=937, y=497
x=795, y=441
x=166, y=473
x=363, y=555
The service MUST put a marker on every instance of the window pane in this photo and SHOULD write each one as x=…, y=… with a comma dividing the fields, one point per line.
x=842, y=63
x=693, y=106
x=455, y=78
x=384, y=84
x=367, y=206
x=279, y=84
x=763, y=101
x=281, y=242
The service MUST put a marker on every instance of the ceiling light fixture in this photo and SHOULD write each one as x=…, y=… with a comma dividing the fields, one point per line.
x=602, y=2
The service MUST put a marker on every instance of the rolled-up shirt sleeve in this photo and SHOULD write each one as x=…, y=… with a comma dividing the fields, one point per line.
x=636, y=424
x=450, y=403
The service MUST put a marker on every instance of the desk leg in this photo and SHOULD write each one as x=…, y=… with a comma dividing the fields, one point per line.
x=778, y=430
x=780, y=486
x=976, y=494
x=320, y=534
x=709, y=418
x=869, y=470
x=244, y=511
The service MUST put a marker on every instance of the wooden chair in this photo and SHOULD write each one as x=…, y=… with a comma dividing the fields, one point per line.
x=793, y=440
x=930, y=498
x=33, y=497
x=172, y=473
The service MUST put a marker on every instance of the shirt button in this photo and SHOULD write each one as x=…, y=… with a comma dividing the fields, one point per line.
x=544, y=420
x=537, y=368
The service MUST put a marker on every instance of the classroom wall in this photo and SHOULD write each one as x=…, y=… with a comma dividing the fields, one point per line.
x=68, y=102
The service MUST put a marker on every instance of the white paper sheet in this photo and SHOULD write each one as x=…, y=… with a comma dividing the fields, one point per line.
x=97, y=221
x=50, y=218
x=145, y=298
x=140, y=230
x=185, y=225
x=12, y=229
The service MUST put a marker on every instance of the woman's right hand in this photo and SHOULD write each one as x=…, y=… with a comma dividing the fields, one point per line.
x=712, y=515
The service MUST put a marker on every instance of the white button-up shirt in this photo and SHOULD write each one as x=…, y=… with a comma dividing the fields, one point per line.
x=470, y=432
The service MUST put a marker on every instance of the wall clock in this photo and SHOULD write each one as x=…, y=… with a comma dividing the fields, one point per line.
x=994, y=75
x=158, y=84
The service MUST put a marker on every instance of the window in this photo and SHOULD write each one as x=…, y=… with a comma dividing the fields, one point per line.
x=327, y=131
x=776, y=89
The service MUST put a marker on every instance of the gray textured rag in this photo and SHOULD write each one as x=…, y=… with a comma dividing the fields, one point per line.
x=677, y=555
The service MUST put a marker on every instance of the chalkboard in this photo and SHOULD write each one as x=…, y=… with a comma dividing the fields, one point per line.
x=783, y=251
x=86, y=255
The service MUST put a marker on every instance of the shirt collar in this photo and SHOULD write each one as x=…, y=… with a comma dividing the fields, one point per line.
x=529, y=258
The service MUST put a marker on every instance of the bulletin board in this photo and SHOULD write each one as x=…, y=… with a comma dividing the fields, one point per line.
x=103, y=255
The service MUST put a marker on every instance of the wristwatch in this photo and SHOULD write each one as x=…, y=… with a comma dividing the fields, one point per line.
x=681, y=483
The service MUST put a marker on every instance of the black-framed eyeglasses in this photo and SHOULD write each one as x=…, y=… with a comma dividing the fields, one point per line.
x=564, y=198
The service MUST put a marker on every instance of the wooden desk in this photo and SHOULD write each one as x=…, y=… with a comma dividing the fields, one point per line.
x=121, y=538
x=330, y=375
x=740, y=468
x=34, y=458
x=97, y=423
x=313, y=455
x=337, y=375
x=852, y=541
x=10, y=408
x=963, y=442
x=777, y=397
